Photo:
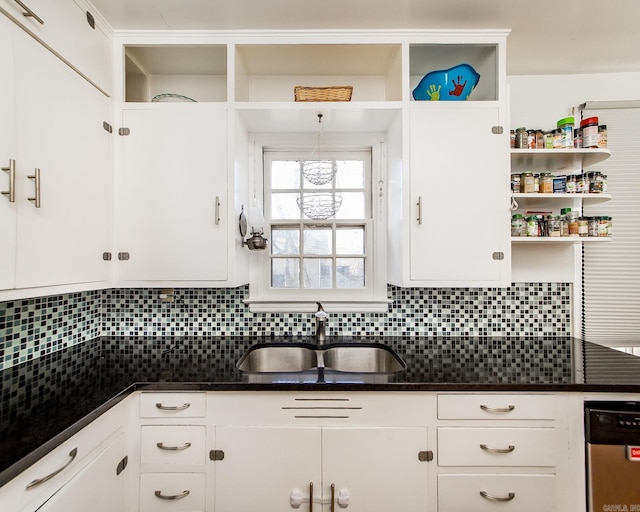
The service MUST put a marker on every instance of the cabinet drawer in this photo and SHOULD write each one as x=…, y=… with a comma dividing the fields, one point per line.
x=496, y=407
x=172, y=492
x=172, y=405
x=510, y=493
x=496, y=447
x=175, y=444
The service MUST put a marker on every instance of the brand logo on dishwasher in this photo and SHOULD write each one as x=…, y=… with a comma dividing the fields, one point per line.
x=633, y=453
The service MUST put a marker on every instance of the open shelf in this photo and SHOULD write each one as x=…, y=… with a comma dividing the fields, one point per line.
x=269, y=72
x=559, y=239
x=198, y=72
x=556, y=159
x=424, y=58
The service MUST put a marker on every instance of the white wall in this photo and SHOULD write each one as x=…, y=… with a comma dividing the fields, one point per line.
x=538, y=102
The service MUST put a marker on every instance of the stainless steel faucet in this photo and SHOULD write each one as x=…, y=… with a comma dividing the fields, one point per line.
x=321, y=318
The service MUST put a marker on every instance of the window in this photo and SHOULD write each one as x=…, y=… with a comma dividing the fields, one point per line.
x=324, y=244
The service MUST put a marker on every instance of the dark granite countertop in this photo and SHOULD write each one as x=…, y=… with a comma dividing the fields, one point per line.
x=46, y=400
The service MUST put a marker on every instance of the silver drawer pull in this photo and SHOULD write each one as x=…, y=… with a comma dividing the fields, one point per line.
x=11, y=193
x=491, y=497
x=29, y=13
x=183, y=494
x=173, y=407
x=508, y=408
x=35, y=483
x=497, y=450
x=175, y=448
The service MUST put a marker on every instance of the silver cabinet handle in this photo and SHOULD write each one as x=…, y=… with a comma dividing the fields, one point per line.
x=217, y=213
x=11, y=193
x=491, y=497
x=36, y=178
x=35, y=483
x=29, y=13
x=310, y=496
x=183, y=494
x=182, y=407
x=509, y=408
x=174, y=448
x=509, y=449
x=419, y=203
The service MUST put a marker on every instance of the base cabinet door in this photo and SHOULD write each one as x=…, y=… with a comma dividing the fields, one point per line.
x=375, y=469
x=98, y=487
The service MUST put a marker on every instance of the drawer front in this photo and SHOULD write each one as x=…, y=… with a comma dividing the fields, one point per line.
x=497, y=447
x=175, y=444
x=178, y=492
x=172, y=405
x=499, y=493
x=496, y=407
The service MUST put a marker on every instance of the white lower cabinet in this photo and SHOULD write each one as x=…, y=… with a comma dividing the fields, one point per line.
x=496, y=492
x=362, y=468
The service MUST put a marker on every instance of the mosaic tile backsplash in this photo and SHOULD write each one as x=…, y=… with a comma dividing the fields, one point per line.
x=30, y=328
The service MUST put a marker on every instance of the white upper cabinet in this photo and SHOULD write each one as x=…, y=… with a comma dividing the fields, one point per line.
x=71, y=31
x=62, y=172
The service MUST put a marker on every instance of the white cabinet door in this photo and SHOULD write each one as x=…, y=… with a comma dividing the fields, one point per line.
x=375, y=469
x=59, y=131
x=459, y=175
x=264, y=468
x=96, y=488
x=7, y=157
x=172, y=194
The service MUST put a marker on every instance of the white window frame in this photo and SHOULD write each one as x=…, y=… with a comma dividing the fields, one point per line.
x=371, y=298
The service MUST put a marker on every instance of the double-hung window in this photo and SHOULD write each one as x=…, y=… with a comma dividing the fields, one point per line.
x=320, y=220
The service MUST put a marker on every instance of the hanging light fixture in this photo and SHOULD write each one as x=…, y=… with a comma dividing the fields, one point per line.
x=319, y=171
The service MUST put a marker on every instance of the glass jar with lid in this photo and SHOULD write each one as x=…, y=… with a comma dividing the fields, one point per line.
x=518, y=225
x=555, y=226
x=546, y=183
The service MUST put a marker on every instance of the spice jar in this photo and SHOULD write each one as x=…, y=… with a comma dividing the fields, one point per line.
x=572, y=220
x=577, y=138
x=557, y=138
x=518, y=225
x=532, y=226
x=603, y=226
x=521, y=138
x=546, y=183
x=596, y=182
x=554, y=226
x=583, y=226
x=527, y=183
x=540, y=139
x=593, y=223
x=572, y=184
x=565, y=126
x=515, y=183
x=589, y=132
x=583, y=183
x=548, y=140
x=602, y=136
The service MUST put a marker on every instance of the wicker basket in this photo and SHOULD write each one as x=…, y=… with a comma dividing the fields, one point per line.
x=334, y=93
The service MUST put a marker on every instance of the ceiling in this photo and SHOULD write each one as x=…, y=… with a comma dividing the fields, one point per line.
x=548, y=36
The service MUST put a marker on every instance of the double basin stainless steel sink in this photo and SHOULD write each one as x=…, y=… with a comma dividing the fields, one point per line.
x=291, y=358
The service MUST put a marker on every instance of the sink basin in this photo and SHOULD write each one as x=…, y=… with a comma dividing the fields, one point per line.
x=368, y=358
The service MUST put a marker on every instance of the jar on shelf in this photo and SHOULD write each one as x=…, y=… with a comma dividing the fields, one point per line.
x=515, y=183
x=554, y=226
x=572, y=221
x=565, y=126
x=564, y=222
x=583, y=226
x=559, y=184
x=596, y=182
x=594, y=223
x=546, y=183
x=527, y=183
x=603, y=136
x=532, y=226
x=577, y=138
x=531, y=139
x=548, y=139
x=518, y=225
x=539, y=139
x=557, y=138
x=583, y=183
x=572, y=184
x=521, y=137
x=512, y=139
x=603, y=226
x=589, y=132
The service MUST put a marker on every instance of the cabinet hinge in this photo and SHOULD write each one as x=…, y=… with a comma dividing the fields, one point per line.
x=425, y=456
x=107, y=127
x=91, y=20
x=106, y=256
x=123, y=256
x=216, y=455
x=498, y=256
x=124, y=131
x=122, y=465
x=497, y=130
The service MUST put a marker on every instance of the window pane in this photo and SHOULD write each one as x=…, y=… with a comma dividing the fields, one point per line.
x=318, y=273
x=350, y=174
x=285, y=241
x=284, y=206
x=318, y=240
x=352, y=207
x=350, y=240
x=285, y=174
x=350, y=273
x=285, y=273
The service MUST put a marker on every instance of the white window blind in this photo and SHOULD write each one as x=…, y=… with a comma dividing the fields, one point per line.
x=611, y=271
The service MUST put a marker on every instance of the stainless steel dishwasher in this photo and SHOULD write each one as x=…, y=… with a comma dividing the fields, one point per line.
x=612, y=432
